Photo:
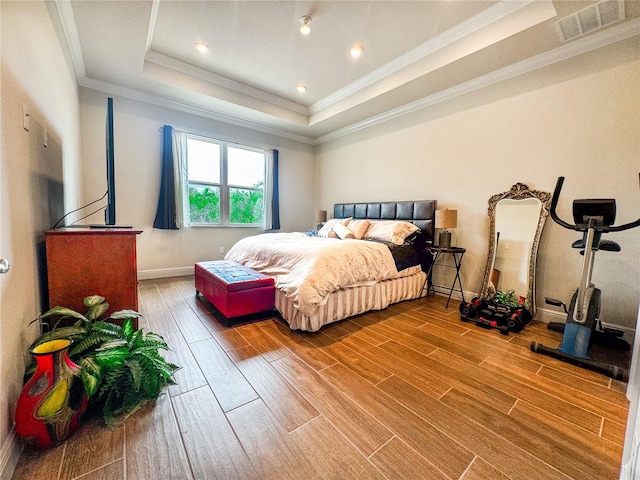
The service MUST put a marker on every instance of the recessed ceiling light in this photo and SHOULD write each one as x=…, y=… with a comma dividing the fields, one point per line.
x=356, y=51
x=305, y=29
x=301, y=87
x=202, y=47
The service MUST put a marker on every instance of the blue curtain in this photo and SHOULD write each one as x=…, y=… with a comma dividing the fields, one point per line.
x=275, y=203
x=166, y=213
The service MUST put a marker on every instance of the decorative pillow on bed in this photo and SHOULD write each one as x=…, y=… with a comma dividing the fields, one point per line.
x=327, y=228
x=394, y=231
x=342, y=231
x=359, y=227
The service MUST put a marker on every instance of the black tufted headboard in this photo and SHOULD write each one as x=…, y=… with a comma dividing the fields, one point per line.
x=421, y=213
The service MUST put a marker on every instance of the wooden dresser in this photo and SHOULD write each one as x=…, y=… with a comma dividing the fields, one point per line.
x=92, y=261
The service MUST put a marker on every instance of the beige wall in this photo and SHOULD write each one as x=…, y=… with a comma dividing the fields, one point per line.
x=34, y=74
x=138, y=142
x=579, y=119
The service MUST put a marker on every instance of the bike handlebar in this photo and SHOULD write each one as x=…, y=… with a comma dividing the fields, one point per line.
x=562, y=223
x=554, y=204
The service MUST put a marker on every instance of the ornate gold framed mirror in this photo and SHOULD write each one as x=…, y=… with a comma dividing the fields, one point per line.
x=516, y=220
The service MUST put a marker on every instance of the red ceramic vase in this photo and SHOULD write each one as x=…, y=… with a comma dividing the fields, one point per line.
x=53, y=400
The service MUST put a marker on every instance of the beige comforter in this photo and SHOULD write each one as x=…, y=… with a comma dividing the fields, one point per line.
x=307, y=269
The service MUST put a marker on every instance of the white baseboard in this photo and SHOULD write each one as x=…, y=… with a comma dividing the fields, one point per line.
x=165, y=272
x=627, y=472
x=549, y=316
x=11, y=451
x=455, y=296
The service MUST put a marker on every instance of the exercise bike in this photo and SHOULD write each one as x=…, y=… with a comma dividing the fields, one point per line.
x=592, y=217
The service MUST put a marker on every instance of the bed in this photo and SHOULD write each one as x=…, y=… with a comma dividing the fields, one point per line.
x=322, y=280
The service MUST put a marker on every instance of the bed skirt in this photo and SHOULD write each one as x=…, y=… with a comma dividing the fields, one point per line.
x=350, y=301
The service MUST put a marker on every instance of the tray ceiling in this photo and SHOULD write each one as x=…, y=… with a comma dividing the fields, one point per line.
x=416, y=53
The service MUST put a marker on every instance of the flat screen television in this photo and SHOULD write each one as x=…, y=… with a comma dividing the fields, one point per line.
x=110, y=194
x=110, y=210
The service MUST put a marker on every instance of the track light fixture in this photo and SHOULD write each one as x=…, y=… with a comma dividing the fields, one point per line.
x=305, y=29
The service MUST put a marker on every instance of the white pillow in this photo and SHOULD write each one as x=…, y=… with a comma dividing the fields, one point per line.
x=342, y=231
x=327, y=228
x=394, y=231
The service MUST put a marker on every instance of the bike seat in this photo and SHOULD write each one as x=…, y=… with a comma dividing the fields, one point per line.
x=606, y=245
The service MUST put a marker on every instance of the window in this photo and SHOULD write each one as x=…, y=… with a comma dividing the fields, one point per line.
x=226, y=183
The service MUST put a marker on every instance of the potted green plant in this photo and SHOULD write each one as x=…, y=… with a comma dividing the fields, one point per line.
x=508, y=298
x=121, y=367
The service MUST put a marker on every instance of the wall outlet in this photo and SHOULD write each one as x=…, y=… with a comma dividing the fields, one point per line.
x=221, y=249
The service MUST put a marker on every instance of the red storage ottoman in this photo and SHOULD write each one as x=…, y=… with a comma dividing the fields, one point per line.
x=234, y=289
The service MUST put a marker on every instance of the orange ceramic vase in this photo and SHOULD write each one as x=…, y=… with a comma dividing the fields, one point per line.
x=53, y=400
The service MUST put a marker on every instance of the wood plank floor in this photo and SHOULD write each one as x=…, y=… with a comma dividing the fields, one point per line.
x=407, y=392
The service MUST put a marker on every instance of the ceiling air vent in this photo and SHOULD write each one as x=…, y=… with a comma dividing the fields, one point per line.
x=590, y=19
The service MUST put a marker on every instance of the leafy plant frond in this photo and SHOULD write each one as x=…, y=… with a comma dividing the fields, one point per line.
x=130, y=401
x=71, y=333
x=63, y=312
x=89, y=342
x=122, y=314
x=92, y=300
x=127, y=329
x=92, y=375
x=96, y=311
x=154, y=337
x=113, y=419
x=112, y=382
x=120, y=366
x=151, y=349
x=113, y=344
x=508, y=298
x=146, y=343
x=156, y=360
x=112, y=359
x=151, y=384
x=112, y=328
x=107, y=412
x=137, y=372
x=135, y=339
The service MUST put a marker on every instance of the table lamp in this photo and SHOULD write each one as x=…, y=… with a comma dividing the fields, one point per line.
x=446, y=219
x=321, y=217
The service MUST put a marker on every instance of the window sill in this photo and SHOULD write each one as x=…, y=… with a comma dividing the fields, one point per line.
x=206, y=225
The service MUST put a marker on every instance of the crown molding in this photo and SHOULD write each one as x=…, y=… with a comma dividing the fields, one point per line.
x=446, y=39
x=613, y=34
x=155, y=5
x=222, y=81
x=72, y=39
x=601, y=39
x=172, y=104
x=72, y=44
